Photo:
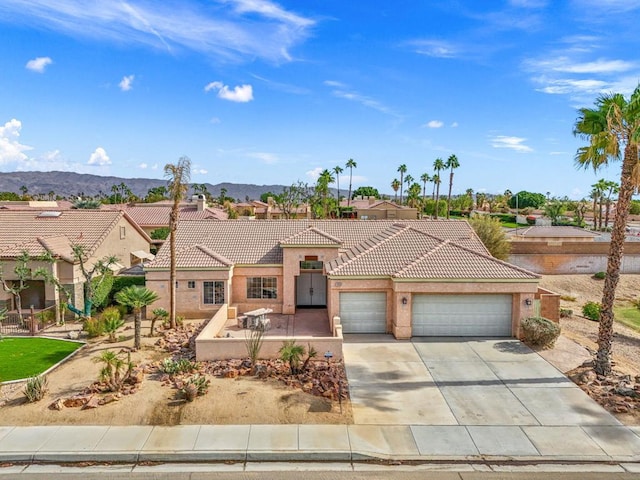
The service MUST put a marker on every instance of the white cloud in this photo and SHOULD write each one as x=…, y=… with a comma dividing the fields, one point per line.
x=143, y=166
x=565, y=64
x=264, y=157
x=435, y=48
x=342, y=91
x=512, y=143
x=334, y=83
x=227, y=29
x=126, y=83
x=38, y=64
x=240, y=93
x=11, y=150
x=315, y=173
x=200, y=171
x=454, y=125
x=215, y=120
x=434, y=124
x=99, y=157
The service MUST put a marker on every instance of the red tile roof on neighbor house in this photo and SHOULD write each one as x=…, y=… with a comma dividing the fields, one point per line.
x=553, y=231
x=55, y=230
x=406, y=249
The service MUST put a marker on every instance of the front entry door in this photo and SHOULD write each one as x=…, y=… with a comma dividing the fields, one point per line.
x=311, y=290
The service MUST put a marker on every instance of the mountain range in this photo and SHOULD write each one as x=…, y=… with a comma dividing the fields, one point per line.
x=69, y=184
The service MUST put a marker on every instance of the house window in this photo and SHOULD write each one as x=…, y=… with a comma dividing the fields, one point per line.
x=191, y=284
x=213, y=293
x=262, y=287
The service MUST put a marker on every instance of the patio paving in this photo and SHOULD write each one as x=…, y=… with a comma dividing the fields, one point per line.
x=306, y=322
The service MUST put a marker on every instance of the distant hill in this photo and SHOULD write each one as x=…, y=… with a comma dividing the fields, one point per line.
x=70, y=184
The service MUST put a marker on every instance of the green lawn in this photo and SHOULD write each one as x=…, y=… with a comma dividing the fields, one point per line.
x=26, y=357
x=628, y=315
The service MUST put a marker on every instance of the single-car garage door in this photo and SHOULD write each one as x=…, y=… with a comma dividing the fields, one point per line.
x=461, y=315
x=363, y=312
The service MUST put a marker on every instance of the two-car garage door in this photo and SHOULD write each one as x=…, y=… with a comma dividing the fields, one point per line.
x=461, y=315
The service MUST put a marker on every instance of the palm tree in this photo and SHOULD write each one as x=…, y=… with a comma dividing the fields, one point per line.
x=438, y=165
x=351, y=164
x=424, y=178
x=395, y=185
x=409, y=181
x=452, y=164
x=612, y=188
x=338, y=170
x=322, y=188
x=137, y=298
x=402, y=169
x=612, y=130
x=178, y=185
x=436, y=188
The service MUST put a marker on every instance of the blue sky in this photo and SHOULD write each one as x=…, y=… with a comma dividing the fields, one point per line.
x=273, y=92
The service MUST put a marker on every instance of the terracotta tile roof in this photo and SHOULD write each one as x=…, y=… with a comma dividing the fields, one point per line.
x=158, y=215
x=311, y=236
x=196, y=255
x=550, y=231
x=404, y=252
x=38, y=231
x=254, y=242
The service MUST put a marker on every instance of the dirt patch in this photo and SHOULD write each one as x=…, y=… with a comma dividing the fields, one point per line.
x=576, y=290
x=241, y=400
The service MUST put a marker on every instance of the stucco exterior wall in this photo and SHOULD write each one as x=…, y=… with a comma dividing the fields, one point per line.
x=121, y=241
x=561, y=258
x=239, y=288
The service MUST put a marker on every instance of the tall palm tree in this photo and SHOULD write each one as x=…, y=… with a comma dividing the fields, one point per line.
x=338, y=170
x=351, y=164
x=424, y=178
x=402, y=169
x=452, y=163
x=322, y=187
x=438, y=166
x=612, y=131
x=409, y=181
x=612, y=189
x=137, y=298
x=178, y=175
x=435, y=196
x=395, y=185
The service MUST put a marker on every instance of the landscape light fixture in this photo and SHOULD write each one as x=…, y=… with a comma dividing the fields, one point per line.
x=404, y=300
x=528, y=301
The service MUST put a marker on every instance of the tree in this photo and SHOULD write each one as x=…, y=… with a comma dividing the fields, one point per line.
x=351, y=164
x=292, y=197
x=178, y=175
x=438, y=165
x=87, y=204
x=264, y=197
x=156, y=194
x=23, y=275
x=452, y=163
x=94, y=277
x=402, y=169
x=366, y=192
x=413, y=195
x=612, y=188
x=524, y=199
x=424, y=178
x=489, y=230
x=337, y=170
x=612, y=131
x=554, y=211
x=137, y=298
x=24, y=191
x=395, y=185
x=322, y=188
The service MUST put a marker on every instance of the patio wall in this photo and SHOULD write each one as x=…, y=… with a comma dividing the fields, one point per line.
x=209, y=346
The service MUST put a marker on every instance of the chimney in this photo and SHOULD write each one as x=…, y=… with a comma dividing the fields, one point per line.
x=372, y=200
x=202, y=202
x=270, y=201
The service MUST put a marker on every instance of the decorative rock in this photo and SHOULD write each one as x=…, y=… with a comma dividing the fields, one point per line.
x=110, y=398
x=75, y=401
x=94, y=402
x=73, y=334
x=57, y=404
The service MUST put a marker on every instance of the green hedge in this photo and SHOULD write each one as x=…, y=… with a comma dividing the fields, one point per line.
x=121, y=282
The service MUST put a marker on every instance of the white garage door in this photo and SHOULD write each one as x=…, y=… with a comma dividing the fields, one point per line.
x=461, y=315
x=363, y=312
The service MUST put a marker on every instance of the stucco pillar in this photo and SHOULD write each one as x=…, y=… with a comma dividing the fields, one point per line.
x=401, y=308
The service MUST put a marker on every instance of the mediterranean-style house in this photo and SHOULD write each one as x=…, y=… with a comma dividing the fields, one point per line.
x=408, y=277
x=370, y=208
x=102, y=233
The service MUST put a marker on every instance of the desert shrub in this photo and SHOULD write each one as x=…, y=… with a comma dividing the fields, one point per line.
x=121, y=282
x=196, y=386
x=46, y=316
x=591, y=310
x=599, y=275
x=115, y=370
x=566, y=312
x=93, y=326
x=35, y=388
x=111, y=321
x=172, y=367
x=539, y=332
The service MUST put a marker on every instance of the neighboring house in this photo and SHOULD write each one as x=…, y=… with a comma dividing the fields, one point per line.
x=568, y=250
x=101, y=232
x=151, y=216
x=270, y=210
x=373, y=209
x=409, y=278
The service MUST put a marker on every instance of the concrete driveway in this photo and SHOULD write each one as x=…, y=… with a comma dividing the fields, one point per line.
x=484, y=382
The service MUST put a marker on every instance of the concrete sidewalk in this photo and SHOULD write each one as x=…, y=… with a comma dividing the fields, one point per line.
x=277, y=443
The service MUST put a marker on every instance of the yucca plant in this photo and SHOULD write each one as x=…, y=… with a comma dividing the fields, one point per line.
x=292, y=353
x=111, y=322
x=158, y=314
x=115, y=371
x=35, y=388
